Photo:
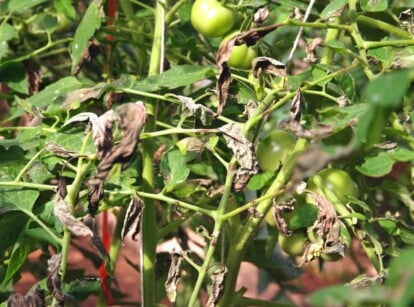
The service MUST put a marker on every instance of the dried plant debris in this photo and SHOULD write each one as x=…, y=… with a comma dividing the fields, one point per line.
x=296, y=106
x=407, y=20
x=102, y=133
x=260, y=16
x=218, y=279
x=311, y=56
x=268, y=65
x=245, y=154
x=364, y=281
x=249, y=38
x=132, y=218
x=174, y=276
x=35, y=299
x=64, y=215
x=76, y=97
x=132, y=117
x=59, y=151
x=194, y=109
x=54, y=279
x=277, y=210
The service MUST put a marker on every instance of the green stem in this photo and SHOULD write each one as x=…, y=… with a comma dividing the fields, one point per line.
x=378, y=24
x=331, y=34
x=29, y=185
x=149, y=135
x=391, y=43
x=43, y=225
x=28, y=165
x=246, y=233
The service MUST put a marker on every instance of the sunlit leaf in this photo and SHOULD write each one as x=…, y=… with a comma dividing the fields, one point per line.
x=376, y=166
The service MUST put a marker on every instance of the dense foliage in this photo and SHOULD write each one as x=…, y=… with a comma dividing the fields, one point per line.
x=130, y=107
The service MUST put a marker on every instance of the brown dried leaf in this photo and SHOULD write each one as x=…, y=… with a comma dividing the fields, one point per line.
x=64, y=215
x=102, y=133
x=321, y=132
x=36, y=299
x=364, y=281
x=277, y=210
x=407, y=20
x=54, y=279
x=60, y=151
x=81, y=95
x=132, y=117
x=260, y=16
x=245, y=154
x=61, y=187
x=174, y=276
x=249, y=38
x=194, y=109
x=311, y=49
x=296, y=106
x=218, y=279
x=268, y=65
x=132, y=218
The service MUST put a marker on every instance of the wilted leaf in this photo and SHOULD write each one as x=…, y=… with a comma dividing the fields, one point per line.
x=245, y=154
x=54, y=278
x=81, y=95
x=96, y=241
x=249, y=38
x=35, y=299
x=133, y=217
x=296, y=106
x=190, y=144
x=102, y=133
x=364, y=281
x=174, y=276
x=268, y=65
x=374, y=5
x=59, y=150
x=311, y=49
x=64, y=215
x=202, y=112
x=132, y=117
x=260, y=16
x=333, y=8
x=218, y=279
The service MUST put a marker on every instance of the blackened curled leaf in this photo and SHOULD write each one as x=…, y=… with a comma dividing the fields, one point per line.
x=133, y=217
x=35, y=299
x=63, y=213
x=89, y=53
x=96, y=241
x=54, y=278
x=218, y=279
x=174, y=276
x=223, y=54
x=132, y=117
x=245, y=154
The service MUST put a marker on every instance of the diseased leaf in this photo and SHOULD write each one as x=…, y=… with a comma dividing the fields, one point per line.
x=102, y=133
x=96, y=241
x=374, y=5
x=35, y=299
x=245, y=154
x=90, y=22
x=64, y=215
x=268, y=65
x=218, y=278
x=132, y=218
x=174, y=168
x=202, y=112
x=54, y=278
x=333, y=8
x=174, y=276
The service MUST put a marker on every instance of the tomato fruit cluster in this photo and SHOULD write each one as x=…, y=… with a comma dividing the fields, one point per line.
x=212, y=19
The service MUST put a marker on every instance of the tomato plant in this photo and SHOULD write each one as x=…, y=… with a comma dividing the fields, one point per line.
x=211, y=18
x=129, y=146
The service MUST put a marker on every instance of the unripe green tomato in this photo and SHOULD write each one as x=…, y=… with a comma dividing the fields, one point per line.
x=241, y=55
x=293, y=245
x=211, y=19
x=274, y=149
x=334, y=184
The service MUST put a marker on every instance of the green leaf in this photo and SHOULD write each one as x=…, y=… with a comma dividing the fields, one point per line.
x=65, y=7
x=402, y=154
x=174, y=168
x=260, y=180
x=14, y=74
x=399, y=191
x=19, y=254
x=371, y=124
x=383, y=54
x=44, y=22
x=336, y=45
x=22, y=200
x=7, y=32
x=177, y=76
x=333, y=8
x=388, y=90
x=23, y=5
x=42, y=235
x=304, y=217
x=374, y=5
x=377, y=166
x=90, y=22
x=11, y=226
x=80, y=289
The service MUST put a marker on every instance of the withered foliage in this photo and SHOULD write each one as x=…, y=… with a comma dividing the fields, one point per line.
x=296, y=106
x=96, y=240
x=63, y=213
x=249, y=38
x=133, y=217
x=81, y=95
x=245, y=154
x=268, y=65
x=218, y=278
x=60, y=151
x=90, y=52
x=35, y=299
x=311, y=49
x=194, y=109
x=132, y=117
x=277, y=210
x=53, y=278
x=174, y=276
x=365, y=281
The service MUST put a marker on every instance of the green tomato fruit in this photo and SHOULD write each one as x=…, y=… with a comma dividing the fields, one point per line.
x=334, y=184
x=211, y=19
x=293, y=245
x=241, y=55
x=274, y=150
